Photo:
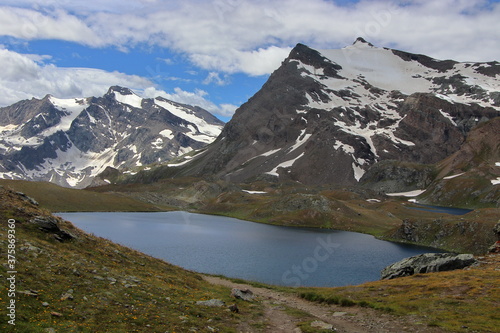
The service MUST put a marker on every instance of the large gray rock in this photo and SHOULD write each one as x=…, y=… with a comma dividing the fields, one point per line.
x=426, y=263
x=50, y=224
x=211, y=303
x=244, y=294
x=47, y=223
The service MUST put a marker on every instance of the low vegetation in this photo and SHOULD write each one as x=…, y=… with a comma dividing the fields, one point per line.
x=459, y=301
x=61, y=199
x=89, y=284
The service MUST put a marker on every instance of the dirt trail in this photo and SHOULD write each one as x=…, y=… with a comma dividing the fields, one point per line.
x=344, y=319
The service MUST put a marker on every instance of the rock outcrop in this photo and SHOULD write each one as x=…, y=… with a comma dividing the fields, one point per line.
x=495, y=248
x=50, y=224
x=427, y=263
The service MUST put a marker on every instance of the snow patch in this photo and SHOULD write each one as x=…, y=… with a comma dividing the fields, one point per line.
x=72, y=108
x=133, y=100
x=301, y=139
x=8, y=128
x=184, y=113
x=271, y=152
x=179, y=164
x=254, y=192
x=495, y=181
x=358, y=171
x=454, y=176
x=447, y=116
x=167, y=134
x=345, y=147
x=414, y=193
x=286, y=164
x=158, y=144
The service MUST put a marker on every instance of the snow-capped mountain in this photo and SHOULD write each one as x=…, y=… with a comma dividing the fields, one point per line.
x=327, y=116
x=69, y=141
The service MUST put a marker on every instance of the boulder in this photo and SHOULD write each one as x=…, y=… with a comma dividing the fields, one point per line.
x=50, y=224
x=495, y=248
x=245, y=294
x=496, y=230
x=47, y=223
x=426, y=263
x=27, y=198
x=211, y=303
x=234, y=308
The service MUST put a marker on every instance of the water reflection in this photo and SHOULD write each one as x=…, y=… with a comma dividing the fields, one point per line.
x=253, y=251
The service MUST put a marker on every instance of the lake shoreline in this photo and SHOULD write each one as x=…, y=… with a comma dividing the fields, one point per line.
x=278, y=255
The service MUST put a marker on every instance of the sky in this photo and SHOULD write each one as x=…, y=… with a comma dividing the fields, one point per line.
x=214, y=53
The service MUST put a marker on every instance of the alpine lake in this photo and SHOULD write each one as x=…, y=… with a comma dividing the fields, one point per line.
x=234, y=248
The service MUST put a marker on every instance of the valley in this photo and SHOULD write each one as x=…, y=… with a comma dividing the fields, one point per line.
x=350, y=139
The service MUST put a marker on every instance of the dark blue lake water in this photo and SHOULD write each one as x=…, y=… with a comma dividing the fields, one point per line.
x=247, y=250
x=440, y=209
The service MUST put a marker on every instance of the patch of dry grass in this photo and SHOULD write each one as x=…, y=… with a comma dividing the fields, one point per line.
x=113, y=288
x=456, y=300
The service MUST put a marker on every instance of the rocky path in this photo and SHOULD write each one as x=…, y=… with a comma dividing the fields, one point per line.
x=278, y=308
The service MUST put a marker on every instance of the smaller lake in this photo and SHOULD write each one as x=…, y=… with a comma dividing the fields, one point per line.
x=240, y=249
x=441, y=209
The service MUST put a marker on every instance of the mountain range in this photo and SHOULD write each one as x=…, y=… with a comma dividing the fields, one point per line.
x=70, y=141
x=381, y=118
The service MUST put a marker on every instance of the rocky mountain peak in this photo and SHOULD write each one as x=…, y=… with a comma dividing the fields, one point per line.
x=70, y=141
x=120, y=90
x=362, y=41
x=328, y=116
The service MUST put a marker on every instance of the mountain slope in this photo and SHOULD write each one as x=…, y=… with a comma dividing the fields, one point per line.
x=69, y=141
x=328, y=116
x=470, y=176
x=69, y=281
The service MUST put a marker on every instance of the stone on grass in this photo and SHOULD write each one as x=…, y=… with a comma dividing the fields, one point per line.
x=427, y=263
x=211, y=303
x=244, y=294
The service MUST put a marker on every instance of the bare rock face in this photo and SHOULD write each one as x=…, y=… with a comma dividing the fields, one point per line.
x=329, y=116
x=427, y=263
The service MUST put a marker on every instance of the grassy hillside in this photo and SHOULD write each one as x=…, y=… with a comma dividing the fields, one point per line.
x=62, y=199
x=459, y=301
x=83, y=283
x=89, y=284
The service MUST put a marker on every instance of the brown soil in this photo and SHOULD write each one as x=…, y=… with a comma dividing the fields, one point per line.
x=344, y=319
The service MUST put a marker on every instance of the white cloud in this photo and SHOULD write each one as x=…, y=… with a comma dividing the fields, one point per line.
x=227, y=110
x=255, y=63
x=26, y=76
x=31, y=24
x=253, y=36
x=214, y=77
x=197, y=98
x=23, y=77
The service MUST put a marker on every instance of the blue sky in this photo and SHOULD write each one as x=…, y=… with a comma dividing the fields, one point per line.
x=215, y=54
